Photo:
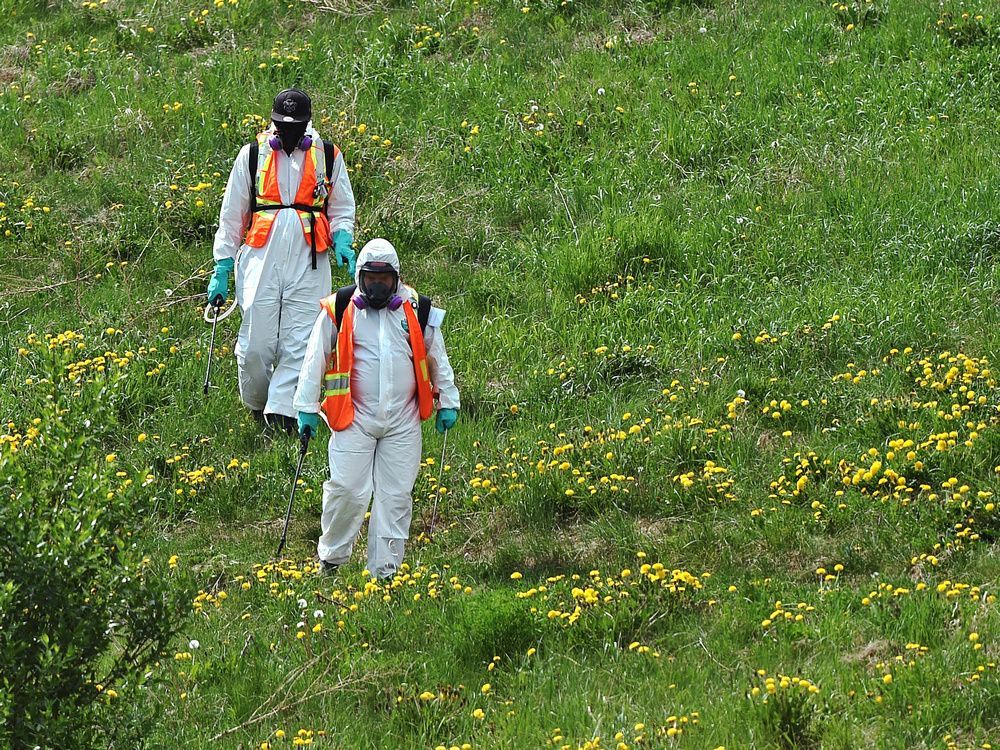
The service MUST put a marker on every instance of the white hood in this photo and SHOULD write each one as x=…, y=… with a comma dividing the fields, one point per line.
x=378, y=250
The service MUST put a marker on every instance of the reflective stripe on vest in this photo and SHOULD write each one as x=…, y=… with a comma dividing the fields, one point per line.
x=337, y=405
x=337, y=383
x=310, y=198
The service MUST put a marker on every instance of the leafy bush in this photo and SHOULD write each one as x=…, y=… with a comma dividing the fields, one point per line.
x=82, y=612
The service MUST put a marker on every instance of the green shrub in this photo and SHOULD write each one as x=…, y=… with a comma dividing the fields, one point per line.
x=82, y=612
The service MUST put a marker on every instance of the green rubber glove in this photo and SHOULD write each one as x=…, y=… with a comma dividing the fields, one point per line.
x=446, y=419
x=342, y=250
x=218, y=286
x=310, y=421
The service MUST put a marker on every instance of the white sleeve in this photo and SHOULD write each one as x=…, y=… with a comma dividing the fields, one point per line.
x=442, y=376
x=309, y=390
x=340, y=207
x=235, y=212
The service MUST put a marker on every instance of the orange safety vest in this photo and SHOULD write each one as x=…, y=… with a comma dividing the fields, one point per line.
x=337, y=404
x=310, y=199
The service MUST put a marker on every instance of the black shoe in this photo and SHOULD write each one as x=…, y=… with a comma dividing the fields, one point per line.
x=258, y=417
x=291, y=425
x=327, y=568
x=283, y=422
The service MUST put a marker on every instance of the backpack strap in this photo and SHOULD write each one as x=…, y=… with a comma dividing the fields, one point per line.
x=423, y=311
x=344, y=295
x=252, y=159
x=329, y=156
x=330, y=151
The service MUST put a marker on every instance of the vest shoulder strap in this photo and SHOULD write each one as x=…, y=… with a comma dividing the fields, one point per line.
x=344, y=295
x=423, y=311
x=330, y=156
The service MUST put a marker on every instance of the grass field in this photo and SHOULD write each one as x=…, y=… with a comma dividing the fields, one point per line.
x=722, y=303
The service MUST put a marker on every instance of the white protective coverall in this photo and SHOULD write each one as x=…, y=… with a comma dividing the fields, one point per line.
x=276, y=286
x=380, y=451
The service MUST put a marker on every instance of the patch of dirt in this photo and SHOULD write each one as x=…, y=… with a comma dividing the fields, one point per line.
x=349, y=8
x=869, y=654
x=478, y=18
x=767, y=441
x=15, y=53
x=641, y=36
x=74, y=83
x=580, y=538
x=652, y=529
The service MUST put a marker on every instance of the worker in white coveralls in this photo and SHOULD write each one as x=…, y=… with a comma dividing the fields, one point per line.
x=287, y=201
x=387, y=359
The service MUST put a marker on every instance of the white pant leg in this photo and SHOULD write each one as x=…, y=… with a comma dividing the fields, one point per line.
x=397, y=462
x=346, y=493
x=258, y=294
x=302, y=291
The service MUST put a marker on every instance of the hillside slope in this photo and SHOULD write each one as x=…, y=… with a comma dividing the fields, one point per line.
x=722, y=304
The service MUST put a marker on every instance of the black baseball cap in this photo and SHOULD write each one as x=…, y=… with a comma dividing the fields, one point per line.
x=291, y=105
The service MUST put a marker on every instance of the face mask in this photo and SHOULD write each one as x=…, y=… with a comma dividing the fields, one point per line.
x=291, y=134
x=378, y=294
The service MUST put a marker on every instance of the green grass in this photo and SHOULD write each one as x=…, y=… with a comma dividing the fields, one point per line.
x=702, y=169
